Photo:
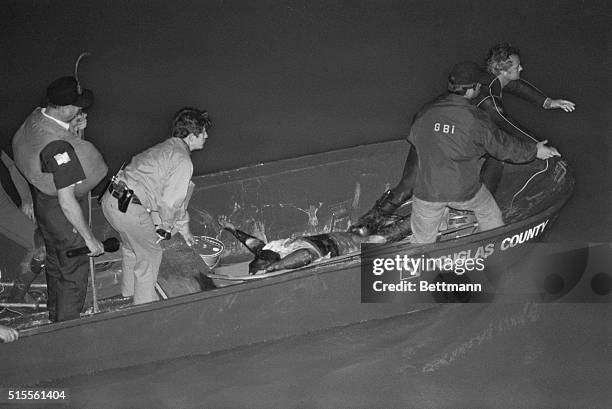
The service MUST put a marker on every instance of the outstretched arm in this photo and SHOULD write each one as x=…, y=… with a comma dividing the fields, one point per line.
x=503, y=145
x=529, y=92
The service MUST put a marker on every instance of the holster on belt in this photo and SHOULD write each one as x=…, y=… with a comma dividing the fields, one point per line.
x=124, y=195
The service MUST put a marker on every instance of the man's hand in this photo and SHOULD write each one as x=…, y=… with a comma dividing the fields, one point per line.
x=546, y=152
x=95, y=247
x=225, y=223
x=78, y=124
x=162, y=235
x=567, y=106
x=188, y=238
x=8, y=334
x=28, y=210
x=73, y=212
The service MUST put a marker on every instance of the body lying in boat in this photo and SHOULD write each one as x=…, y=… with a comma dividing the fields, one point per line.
x=300, y=251
x=297, y=252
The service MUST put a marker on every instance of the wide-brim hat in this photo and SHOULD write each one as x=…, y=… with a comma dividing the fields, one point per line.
x=66, y=91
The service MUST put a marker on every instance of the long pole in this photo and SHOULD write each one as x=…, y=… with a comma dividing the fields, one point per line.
x=92, y=266
x=22, y=305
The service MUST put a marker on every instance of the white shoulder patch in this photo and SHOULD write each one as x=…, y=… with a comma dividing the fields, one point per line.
x=62, y=158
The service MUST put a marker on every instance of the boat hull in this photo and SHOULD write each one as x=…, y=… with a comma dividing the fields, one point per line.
x=307, y=195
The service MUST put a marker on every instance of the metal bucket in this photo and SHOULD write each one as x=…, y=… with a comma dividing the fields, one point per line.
x=209, y=249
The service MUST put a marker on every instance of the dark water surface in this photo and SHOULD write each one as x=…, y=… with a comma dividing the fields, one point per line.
x=523, y=355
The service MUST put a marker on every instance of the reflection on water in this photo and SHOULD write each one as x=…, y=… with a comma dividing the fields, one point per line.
x=453, y=356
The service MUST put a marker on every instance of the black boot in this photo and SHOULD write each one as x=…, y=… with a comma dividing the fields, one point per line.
x=374, y=218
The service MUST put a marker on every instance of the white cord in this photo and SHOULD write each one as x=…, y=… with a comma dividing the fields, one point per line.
x=536, y=88
x=502, y=115
x=518, y=129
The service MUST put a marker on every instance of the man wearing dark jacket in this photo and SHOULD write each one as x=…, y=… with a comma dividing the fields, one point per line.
x=503, y=68
x=450, y=135
x=503, y=65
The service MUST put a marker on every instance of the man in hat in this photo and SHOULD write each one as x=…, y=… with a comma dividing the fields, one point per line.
x=62, y=168
x=450, y=135
x=147, y=201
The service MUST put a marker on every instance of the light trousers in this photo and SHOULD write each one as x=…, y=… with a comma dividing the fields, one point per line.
x=142, y=254
x=427, y=216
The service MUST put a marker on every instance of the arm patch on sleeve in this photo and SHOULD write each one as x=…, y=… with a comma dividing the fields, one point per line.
x=60, y=159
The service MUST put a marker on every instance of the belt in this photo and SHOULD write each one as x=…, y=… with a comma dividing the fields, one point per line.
x=116, y=190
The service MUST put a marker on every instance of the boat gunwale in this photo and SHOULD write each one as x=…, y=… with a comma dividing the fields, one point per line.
x=315, y=269
x=315, y=159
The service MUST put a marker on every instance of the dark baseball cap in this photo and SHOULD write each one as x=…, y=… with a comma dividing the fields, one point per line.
x=464, y=75
x=65, y=91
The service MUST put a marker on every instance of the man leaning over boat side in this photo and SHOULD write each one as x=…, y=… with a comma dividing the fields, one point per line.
x=156, y=184
x=503, y=68
x=450, y=135
x=62, y=168
x=18, y=224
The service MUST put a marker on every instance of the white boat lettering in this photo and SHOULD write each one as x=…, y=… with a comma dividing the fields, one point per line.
x=523, y=237
x=482, y=252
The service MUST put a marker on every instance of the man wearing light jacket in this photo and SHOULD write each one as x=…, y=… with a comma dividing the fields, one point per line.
x=147, y=202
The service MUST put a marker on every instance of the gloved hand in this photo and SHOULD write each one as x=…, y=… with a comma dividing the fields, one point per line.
x=162, y=235
x=78, y=124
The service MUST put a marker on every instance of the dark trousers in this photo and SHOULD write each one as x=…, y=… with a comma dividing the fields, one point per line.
x=403, y=190
x=491, y=173
x=67, y=278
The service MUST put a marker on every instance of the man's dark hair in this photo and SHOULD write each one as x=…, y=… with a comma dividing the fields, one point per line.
x=190, y=120
x=464, y=76
x=461, y=91
x=51, y=105
x=498, y=58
